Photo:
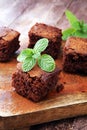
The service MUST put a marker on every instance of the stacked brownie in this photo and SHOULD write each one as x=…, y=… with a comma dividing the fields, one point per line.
x=53, y=34
x=9, y=43
x=75, y=55
x=34, y=84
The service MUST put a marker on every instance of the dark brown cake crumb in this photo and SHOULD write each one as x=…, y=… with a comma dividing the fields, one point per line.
x=53, y=34
x=34, y=84
x=8, y=43
x=59, y=87
x=75, y=55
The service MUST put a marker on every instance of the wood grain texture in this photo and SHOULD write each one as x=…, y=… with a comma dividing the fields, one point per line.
x=11, y=10
x=16, y=111
x=78, y=7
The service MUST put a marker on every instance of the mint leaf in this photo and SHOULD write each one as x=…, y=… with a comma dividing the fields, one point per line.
x=41, y=45
x=46, y=62
x=25, y=53
x=84, y=28
x=28, y=64
x=80, y=34
x=71, y=17
x=68, y=32
x=78, y=27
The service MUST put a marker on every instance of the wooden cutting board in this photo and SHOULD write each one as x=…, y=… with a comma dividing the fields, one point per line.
x=16, y=111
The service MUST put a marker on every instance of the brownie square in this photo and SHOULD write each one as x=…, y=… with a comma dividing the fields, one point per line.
x=34, y=84
x=75, y=55
x=53, y=34
x=8, y=43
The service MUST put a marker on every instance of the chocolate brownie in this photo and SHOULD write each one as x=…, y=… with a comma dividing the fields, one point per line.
x=75, y=55
x=34, y=84
x=8, y=43
x=53, y=34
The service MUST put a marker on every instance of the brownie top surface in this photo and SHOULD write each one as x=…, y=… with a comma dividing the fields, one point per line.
x=38, y=72
x=43, y=30
x=8, y=34
x=77, y=45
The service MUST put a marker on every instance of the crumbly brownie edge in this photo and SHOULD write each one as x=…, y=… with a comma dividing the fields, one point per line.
x=30, y=87
x=34, y=88
x=7, y=49
x=75, y=63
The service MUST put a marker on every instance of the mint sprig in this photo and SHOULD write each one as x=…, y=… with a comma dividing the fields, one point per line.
x=78, y=27
x=29, y=57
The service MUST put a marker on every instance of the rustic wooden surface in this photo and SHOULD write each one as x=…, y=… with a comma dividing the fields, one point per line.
x=16, y=111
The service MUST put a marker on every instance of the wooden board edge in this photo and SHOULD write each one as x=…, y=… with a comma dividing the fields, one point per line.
x=44, y=116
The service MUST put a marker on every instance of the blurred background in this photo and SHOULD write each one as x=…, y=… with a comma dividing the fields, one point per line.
x=22, y=14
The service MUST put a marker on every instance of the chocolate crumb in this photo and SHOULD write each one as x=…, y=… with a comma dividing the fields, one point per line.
x=59, y=87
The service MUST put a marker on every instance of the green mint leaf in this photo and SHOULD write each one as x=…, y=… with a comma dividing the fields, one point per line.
x=71, y=17
x=25, y=53
x=81, y=23
x=28, y=64
x=46, y=62
x=84, y=28
x=68, y=32
x=80, y=34
x=41, y=45
x=76, y=25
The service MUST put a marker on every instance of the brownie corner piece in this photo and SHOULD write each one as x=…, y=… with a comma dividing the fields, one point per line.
x=9, y=43
x=35, y=84
x=75, y=55
x=53, y=34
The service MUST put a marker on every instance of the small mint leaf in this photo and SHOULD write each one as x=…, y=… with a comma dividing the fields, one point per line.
x=76, y=25
x=46, y=62
x=68, y=32
x=80, y=34
x=41, y=45
x=28, y=64
x=71, y=17
x=84, y=28
x=25, y=53
x=81, y=23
